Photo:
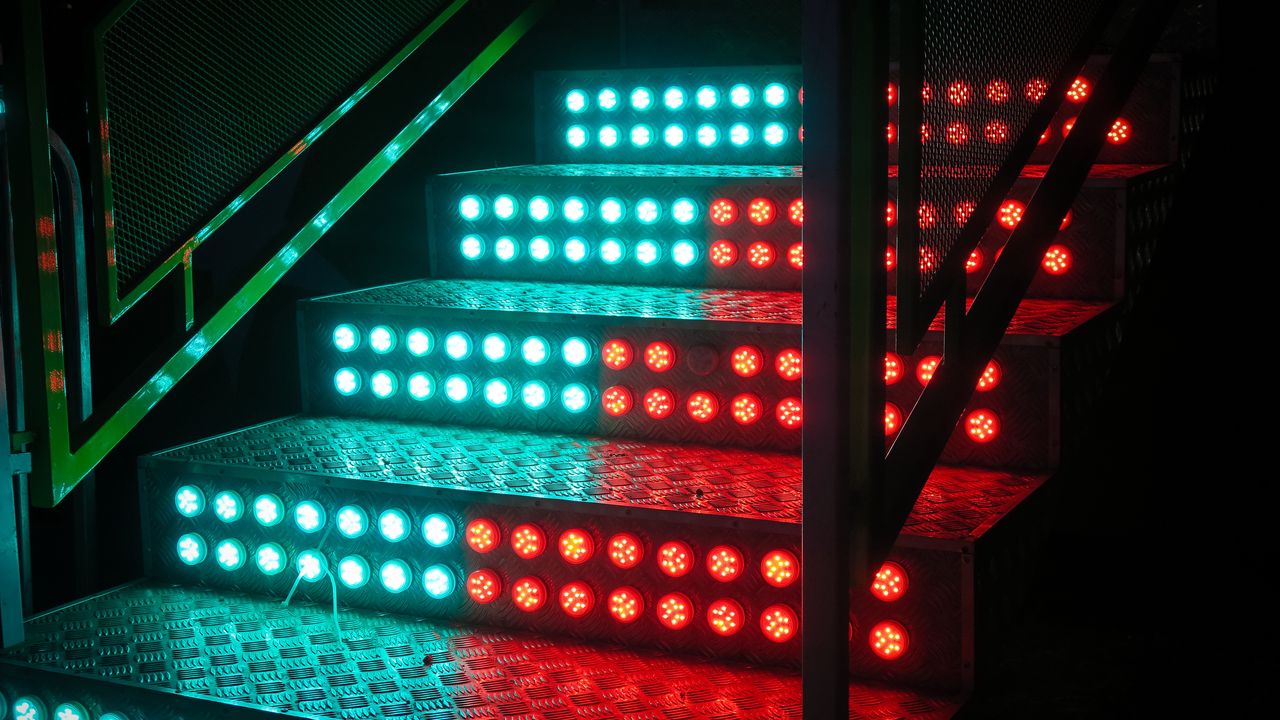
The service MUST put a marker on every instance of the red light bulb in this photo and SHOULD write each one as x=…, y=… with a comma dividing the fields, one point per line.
x=675, y=558
x=724, y=563
x=625, y=550
x=789, y=364
x=703, y=406
x=888, y=640
x=892, y=93
x=761, y=211
x=1067, y=125
x=747, y=361
x=891, y=133
x=890, y=214
x=925, y=369
x=780, y=568
x=1119, y=132
x=998, y=92
x=483, y=535
x=577, y=599
x=576, y=546
x=890, y=257
x=760, y=254
x=957, y=133
x=746, y=408
x=1057, y=260
x=779, y=623
x=963, y=210
x=959, y=93
x=626, y=604
x=928, y=215
x=1066, y=221
x=1011, y=213
x=484, y=586
x=1079, y=90
x=790, y=414
x=723, y=211
x=795, y=211
x=659, y=356
x=795, y=256
x=1036, y=89
x=890, y=582
x=1045, y=136
x=725, y=617
x=723, y=253
x=528, y=594
x=617, y=401
x=892, y=418
x=675, y=611
x=659, y=403
x=528, y=541
x=974, y=263
x=982, y=426
x=892, y=368
x=990, y=377
x=996, y=132
x=616, y=354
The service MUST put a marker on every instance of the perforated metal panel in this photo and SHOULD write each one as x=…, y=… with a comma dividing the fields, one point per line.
x=200, y=97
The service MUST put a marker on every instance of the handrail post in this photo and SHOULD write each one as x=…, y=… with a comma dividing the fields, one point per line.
x=845, y=190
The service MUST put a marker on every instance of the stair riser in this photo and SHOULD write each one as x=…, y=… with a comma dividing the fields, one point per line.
x=1153, y=113
x=1095, y=238
x=934, y=609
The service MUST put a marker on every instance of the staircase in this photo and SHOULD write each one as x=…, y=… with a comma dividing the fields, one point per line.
x=561, y=477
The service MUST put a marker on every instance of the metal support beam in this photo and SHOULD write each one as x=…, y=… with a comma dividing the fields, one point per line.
x=845, y=189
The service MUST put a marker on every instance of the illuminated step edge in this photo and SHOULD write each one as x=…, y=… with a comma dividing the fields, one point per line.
x=740, y=226
x=752, y=114
x=683, y=548
x=149, y=650
x=715, y=367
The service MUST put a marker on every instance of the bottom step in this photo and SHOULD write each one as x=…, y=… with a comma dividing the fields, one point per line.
x=149, y=651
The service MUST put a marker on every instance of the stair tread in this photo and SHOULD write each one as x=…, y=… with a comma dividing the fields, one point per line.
x=1098, y=172
x=696, y=483
x=232, y=646
x=1035, y=317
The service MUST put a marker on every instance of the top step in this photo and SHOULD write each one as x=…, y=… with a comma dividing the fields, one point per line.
x=740, y=115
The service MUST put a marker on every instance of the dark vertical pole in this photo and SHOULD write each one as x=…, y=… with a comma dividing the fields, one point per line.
x=845, y=165
x=11, y=588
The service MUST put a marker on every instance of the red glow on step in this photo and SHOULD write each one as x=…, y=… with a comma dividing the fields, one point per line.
x=746, y=408
x=779, y=623
x=529, y=594
x=747, y=361
x=483, y=535
x=617, y=401
x=982, y=426
x=1066, y=221
x=576, y=546
x=888, y=640
x=890, y=583
x=761, y=211
x=790, y=414
x=577, y=599
x=675, y=558
x=724, y=562
x=723, y=211
x=626, y=604
x=625, y=550
x=659, y=356
x=616, y=354
x=528, y=541
x=675, y=611
x=659, y=403
x=484, y=586
x=723, y=253
x=780, y=568
x=725, y=617
x=1057, y=260
x=703, y=406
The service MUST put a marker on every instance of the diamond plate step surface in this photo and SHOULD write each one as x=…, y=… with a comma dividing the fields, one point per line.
x=243, y=652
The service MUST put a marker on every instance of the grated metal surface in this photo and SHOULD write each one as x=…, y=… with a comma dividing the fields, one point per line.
x=631, y=170
x=955, y=504
x=234, y=647
x=201, y=96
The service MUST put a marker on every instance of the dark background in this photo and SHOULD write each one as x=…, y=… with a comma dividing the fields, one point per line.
x=1110, y=621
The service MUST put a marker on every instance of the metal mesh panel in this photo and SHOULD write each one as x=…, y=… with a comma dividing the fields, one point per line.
x=201, y=96
x=986, y=68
